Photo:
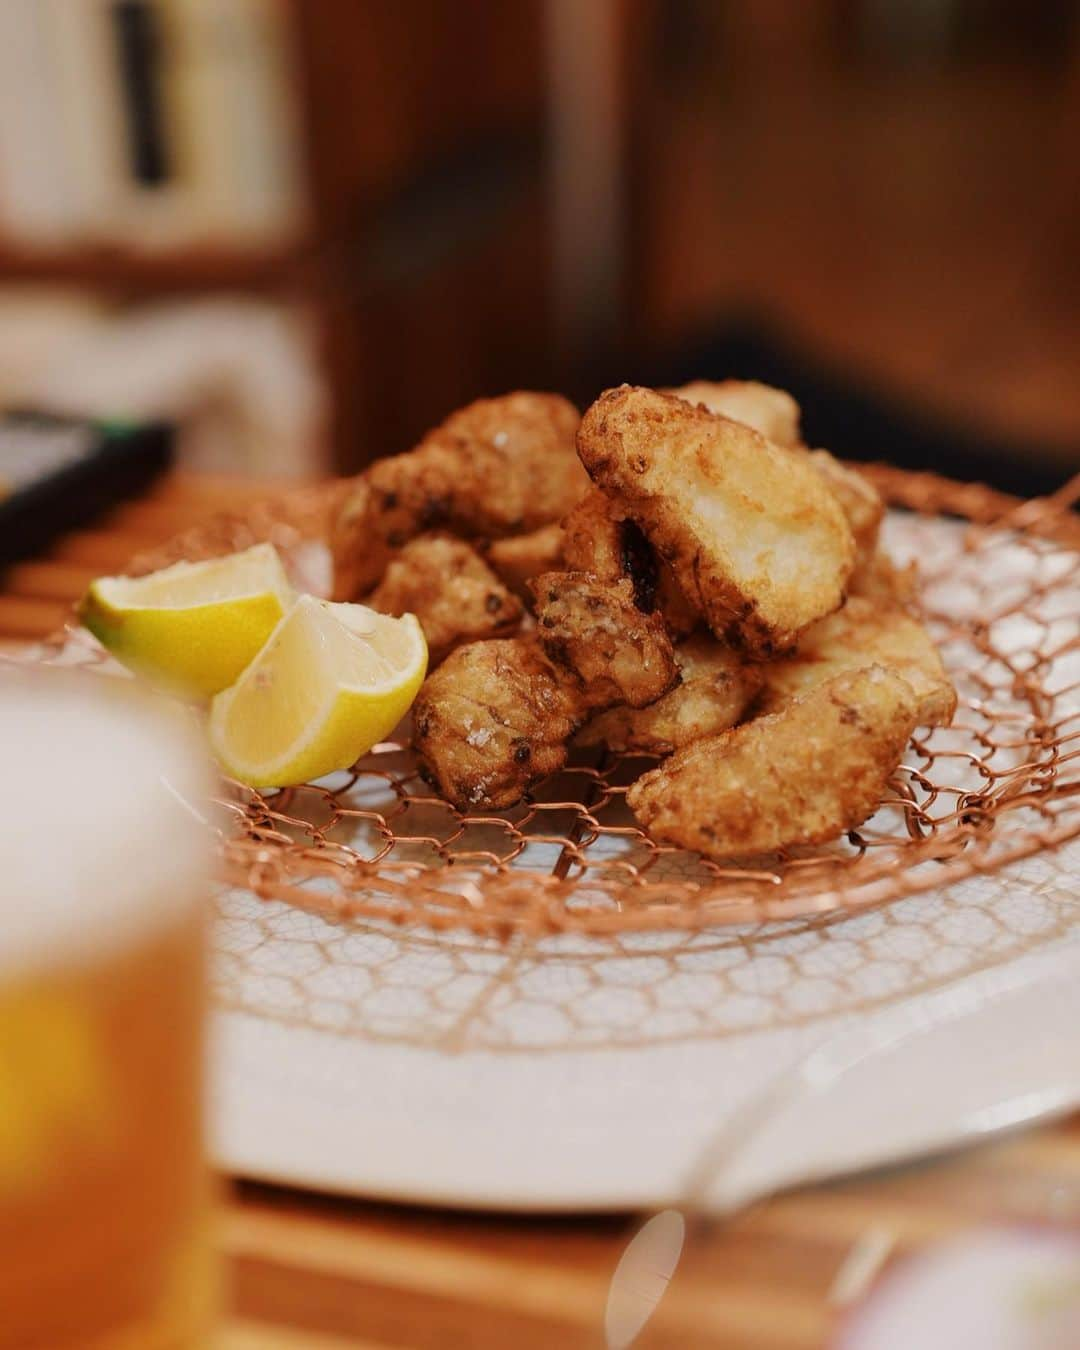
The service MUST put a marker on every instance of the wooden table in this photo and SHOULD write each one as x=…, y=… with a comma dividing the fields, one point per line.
x=313, y=1273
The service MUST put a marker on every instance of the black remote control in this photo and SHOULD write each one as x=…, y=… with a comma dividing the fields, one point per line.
x=58, y=472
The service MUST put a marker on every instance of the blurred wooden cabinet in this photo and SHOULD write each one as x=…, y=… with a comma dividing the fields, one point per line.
x=421, y=131
x=424, y=126
x=551, y=193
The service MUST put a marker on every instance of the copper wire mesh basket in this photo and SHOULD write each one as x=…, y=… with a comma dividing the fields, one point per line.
x=1001, y=594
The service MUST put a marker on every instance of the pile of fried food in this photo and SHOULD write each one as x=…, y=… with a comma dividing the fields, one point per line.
x=675, y=573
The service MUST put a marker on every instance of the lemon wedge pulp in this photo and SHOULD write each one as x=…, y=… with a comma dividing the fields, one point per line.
x=331, y=682
x=191, y=628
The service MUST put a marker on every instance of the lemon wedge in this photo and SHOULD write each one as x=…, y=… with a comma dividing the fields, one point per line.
x=331, y=682
x=191, y=628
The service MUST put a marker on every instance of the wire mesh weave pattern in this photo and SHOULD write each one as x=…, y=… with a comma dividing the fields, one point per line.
x=1000, y=593
x=365, y=906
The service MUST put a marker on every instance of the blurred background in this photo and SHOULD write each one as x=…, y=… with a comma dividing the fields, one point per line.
x=305, y=230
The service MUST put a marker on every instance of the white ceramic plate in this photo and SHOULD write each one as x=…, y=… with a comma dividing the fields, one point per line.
x=573, y=1074
x=569, y=1077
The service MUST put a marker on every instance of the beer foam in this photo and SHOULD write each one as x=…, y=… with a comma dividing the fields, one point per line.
x=104, y=830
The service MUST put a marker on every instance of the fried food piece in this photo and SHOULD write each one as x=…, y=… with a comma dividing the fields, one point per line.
x=492, y=720
x=756, y=540
x=594, y=529
x=600, y=538
x=501, y=466
x=771, y=411
x=865, y=633
x=498, y=716
x=716, y=688
x=359, y=549
x=593, y=541
x=519, y=558
x=775, y=414
x=879, y=578
x=803, y=775
x=594, y=629
x=859, y=500
x=450, y=589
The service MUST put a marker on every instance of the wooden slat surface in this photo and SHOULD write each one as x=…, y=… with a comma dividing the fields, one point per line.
x=313, y=1273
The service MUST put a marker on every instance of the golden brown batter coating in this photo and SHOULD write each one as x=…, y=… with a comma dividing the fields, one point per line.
x=501, y=466
x=450, y=589
x=521, y=557
x=592, y=537
x=803, y=775
x=859, y=500
x=594, y=629
x=494, y=719
x=775, y=414
x=699, y=507
x=879, y=578
x=771, y=411
x=865, y=633
x=756, y=540
x=716, y=688
x=599, y=537
x=498, y=716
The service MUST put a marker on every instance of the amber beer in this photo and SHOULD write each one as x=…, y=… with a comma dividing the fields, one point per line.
x=104, y=1200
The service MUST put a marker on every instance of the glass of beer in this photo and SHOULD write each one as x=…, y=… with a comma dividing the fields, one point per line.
x=104, y=871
